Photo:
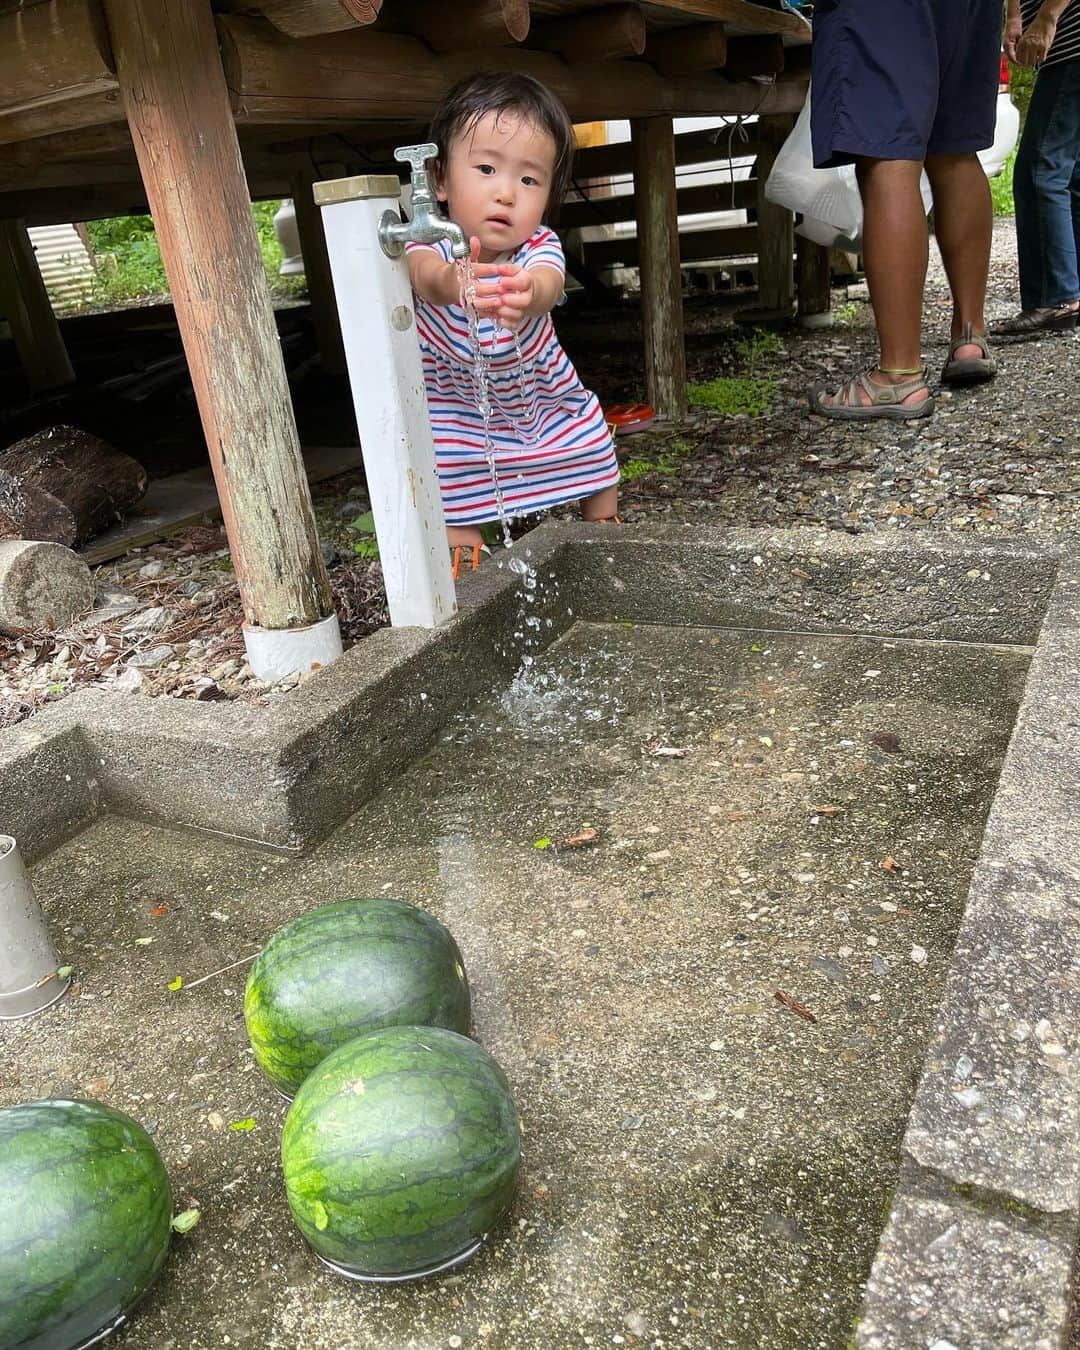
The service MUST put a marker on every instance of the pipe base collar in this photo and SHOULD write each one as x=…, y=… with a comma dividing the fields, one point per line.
x=274, y=653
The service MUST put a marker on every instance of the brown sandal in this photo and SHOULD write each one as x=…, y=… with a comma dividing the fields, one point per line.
x=886, y=400
x=970, y=369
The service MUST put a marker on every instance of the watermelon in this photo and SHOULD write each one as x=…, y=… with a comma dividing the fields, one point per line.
x=401, y=1152
x=345, y=968
x=85, y=1215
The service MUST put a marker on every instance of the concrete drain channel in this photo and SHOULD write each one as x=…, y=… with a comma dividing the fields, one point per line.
x=764, y=870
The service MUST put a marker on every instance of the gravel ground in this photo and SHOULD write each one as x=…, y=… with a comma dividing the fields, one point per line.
x=999, y=459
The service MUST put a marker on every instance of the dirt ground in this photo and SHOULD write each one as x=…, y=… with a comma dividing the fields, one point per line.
x=999, y=459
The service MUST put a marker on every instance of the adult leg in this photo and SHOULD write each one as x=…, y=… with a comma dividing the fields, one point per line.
x=1046, y=164
x=963, y=224
x=895, y=253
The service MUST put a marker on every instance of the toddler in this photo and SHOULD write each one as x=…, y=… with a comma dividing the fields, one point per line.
x=506, y=150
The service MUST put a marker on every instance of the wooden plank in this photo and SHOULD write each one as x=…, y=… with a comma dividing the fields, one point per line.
x=689, y=201
x=739, y=241
x=92, y=106
x=661, y=277
x=596, y=35
x=25, y=303
x=692, y=147
x=178, y=110
x=776, y=227
x=186, y=498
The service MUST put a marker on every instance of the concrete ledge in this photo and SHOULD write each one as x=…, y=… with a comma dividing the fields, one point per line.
x=287, y=776
x=997, y=1110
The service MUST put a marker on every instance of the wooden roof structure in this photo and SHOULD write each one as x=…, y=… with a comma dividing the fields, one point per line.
x=191, y=108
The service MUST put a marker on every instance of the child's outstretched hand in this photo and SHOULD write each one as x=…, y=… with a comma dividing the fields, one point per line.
x=504, y=291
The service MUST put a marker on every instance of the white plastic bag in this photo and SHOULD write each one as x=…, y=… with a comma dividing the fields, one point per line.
x=828, y=199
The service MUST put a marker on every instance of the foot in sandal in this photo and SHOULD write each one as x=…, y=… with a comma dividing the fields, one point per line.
x=899, y=395
x=970, y=359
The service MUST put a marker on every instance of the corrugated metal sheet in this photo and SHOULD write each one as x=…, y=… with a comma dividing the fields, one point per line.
x=64, y=262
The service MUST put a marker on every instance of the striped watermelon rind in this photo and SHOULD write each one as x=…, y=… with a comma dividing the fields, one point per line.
x=347, y=968
x=85, y=1216
x=401, y=1152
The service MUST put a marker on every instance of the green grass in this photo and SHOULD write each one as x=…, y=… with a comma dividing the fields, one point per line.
x=732, y=394
x=128, y=262
x=665, y=463
x=1001, y=189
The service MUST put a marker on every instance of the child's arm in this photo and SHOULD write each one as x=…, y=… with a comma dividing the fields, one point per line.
x=437, y=281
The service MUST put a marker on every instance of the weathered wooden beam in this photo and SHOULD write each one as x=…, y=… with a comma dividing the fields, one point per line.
x=597, y=35
x=658, y=259
x=25, y=304
x=466, y=25
x=750, y=56
x=320, y=283
x=776, y=227
x=373, y=74
x=813, y=279
x=738, y=241
x=689, y=201
x=743, y=15
x=678, y=51
x=52, y=52
x=178, y=110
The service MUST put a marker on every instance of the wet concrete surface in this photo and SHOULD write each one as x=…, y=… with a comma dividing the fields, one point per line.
x=704, y=1165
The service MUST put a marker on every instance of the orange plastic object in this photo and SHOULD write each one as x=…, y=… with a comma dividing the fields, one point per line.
x=624, y=418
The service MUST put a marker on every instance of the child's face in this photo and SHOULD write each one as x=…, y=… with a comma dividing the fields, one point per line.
x=498, y=180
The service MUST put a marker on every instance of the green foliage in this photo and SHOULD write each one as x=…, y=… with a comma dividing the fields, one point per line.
x=128, y=261
x=667, y=462
x=758, y=345
x=367, y=546
x=1001, y=189
x=845, y=313
x=732, y=395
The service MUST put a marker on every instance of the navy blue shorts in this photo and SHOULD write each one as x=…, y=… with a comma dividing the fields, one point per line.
x=903, y=79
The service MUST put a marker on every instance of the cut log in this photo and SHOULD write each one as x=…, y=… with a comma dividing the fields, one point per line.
x=42, y=586
x=678, y=51
x=94, y=481
x=599, y=35
x=309, y=18
x=469, y=24
x=28, y=512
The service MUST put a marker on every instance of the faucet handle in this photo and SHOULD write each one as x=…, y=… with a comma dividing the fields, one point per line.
x=416, y=155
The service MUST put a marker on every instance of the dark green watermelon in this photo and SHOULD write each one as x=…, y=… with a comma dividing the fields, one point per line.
x=346, y=968
x=400, y=1151
x=85, y=1216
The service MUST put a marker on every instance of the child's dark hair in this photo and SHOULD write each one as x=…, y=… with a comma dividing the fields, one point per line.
x=502, y=92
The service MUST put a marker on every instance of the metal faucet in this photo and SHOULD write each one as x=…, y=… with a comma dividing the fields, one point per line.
x=426, y=225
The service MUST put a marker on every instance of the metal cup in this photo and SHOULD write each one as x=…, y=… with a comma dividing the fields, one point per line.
x=28, y=961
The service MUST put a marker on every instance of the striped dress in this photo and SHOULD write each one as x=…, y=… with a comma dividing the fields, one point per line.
x=551, y=443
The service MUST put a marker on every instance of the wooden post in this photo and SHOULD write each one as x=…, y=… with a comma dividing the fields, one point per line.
x=181, y=124
x=814, y=281
x=25, y=303
x=661, y=277
x=320, y=285
x=776, y=229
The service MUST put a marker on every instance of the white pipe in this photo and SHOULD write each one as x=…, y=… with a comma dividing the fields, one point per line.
x=28, y=963
x=378, y=326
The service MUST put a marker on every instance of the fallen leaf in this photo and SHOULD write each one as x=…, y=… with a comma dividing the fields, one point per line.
x=586, y=835
x=669, y=751
x=142, y=942
x=826, y=810
x=184, y=1223
x=98, y=1087
x=794, y=1005
x=890, y=864
x=216, y=1121
x=63, y=972
x=50, y=975
x=158, y=911
x=177, y=983
x=245, y=1125
x=542, y=843
x=888, y=741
